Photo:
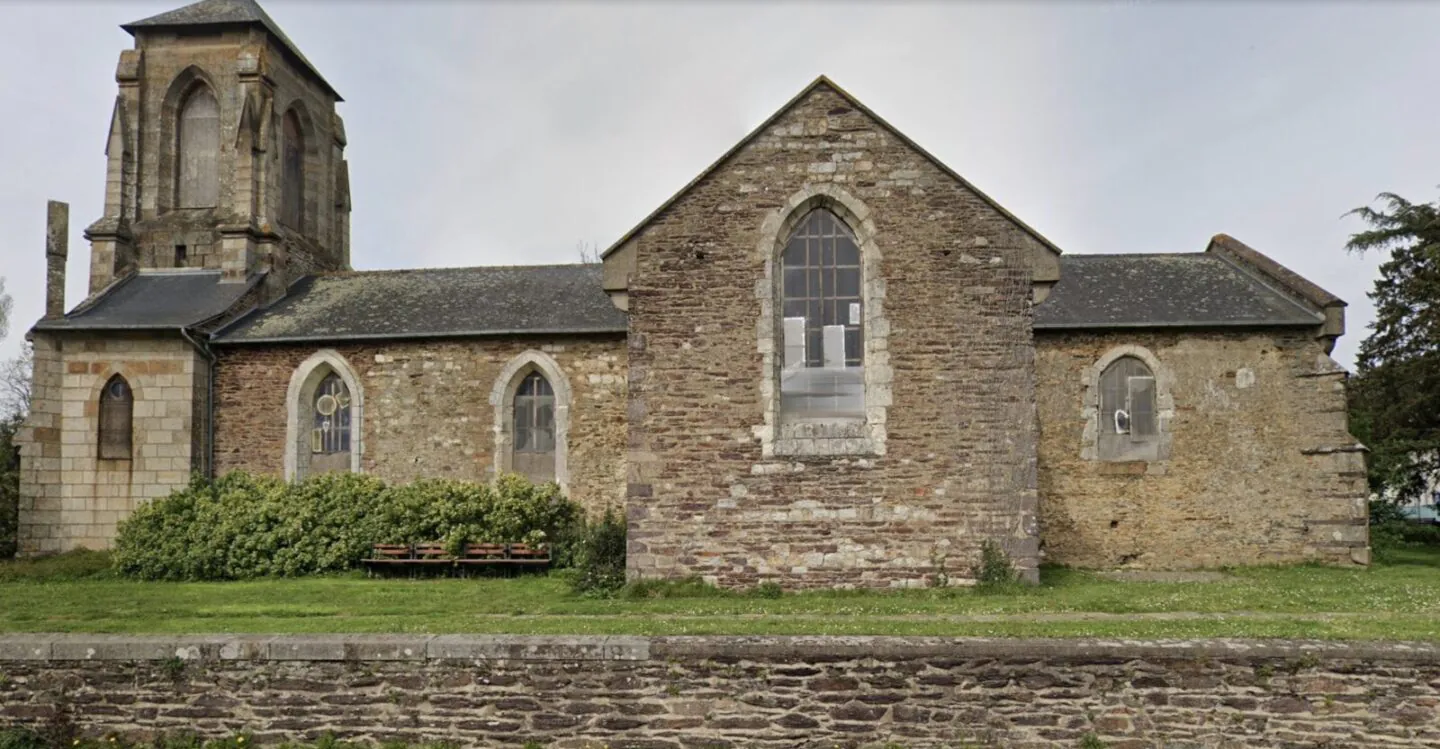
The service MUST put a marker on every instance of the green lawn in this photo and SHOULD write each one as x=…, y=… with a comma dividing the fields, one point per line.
x=1396, y=601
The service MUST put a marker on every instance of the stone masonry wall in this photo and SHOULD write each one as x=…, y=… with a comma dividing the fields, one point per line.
x=1261, y=468
x=71, y=498
x=957, y=465
x=427, y=411
x=689, y=693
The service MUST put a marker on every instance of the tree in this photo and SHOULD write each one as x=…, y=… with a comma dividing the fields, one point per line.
x=1395, y=394
x=5, y=305
x=10, y=417
x=15, y=378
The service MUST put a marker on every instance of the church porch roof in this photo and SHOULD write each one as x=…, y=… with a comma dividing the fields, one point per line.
x=165, y=299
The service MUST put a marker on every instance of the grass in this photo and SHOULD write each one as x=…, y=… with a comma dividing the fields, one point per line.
x=1400, y=600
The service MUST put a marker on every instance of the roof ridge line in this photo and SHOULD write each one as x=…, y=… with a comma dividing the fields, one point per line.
x=375, y=271
x=1073, y=256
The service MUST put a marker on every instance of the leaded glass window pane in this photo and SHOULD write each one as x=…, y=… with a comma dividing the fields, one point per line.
x=534, y=425
x=332, y=417
x=535, y=415
x=822, y=327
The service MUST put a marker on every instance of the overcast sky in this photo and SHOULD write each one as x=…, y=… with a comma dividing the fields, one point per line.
x=491, y=133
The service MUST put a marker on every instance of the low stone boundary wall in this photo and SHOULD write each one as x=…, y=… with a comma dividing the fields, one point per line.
x=710, y=692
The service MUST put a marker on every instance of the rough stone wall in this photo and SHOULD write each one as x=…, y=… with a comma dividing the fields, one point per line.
x=1261, y=468
x=958, y=463
x=427, y=410
x=71, y=498
x=687, y=693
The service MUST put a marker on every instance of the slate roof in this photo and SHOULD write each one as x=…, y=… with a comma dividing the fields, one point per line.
x=228, y=12
x=1178, y=290
x=153, y=300
x=434, y=303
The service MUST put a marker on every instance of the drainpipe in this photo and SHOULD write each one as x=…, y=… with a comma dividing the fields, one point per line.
x=209, y=402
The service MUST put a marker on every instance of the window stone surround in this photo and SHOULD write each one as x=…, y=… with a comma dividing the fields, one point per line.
x=299, y=417
x=823, y=438
x=502, y=398
x=1164, y=401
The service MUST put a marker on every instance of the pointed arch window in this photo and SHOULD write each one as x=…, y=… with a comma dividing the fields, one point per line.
x=117, y=410
x=822, y=329
x=534, y=419
x=292, y=172
x=1129, y=423
x=197, y=180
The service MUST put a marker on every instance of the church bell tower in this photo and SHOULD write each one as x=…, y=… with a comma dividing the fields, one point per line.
x=224, y=152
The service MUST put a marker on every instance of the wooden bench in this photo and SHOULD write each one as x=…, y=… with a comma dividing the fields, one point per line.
x=416, y=557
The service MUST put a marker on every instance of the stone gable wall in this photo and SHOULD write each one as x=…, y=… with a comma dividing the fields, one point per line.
x=427, y=411
x=768, y=692
x=71, y=498
x=1261, y=467
x=957, y=464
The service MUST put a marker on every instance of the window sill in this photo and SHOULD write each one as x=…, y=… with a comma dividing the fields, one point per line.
x=1131, y=467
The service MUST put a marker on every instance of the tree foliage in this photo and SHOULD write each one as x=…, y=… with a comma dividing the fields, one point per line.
x=5, y=306
x=1395, y=394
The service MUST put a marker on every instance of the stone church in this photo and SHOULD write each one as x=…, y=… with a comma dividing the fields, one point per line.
x=828, y=360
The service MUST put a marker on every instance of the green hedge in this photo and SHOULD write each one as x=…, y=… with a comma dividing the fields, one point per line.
x=242, y=526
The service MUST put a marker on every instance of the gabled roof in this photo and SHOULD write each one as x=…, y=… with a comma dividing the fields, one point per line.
x=154, y=300
x=434, y=303
x=817, y=83
x=228, y=13
x=1200, y=289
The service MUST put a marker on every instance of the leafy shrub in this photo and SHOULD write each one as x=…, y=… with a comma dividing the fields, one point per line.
x=242, y=526
x=599, y=556
x=994, y=571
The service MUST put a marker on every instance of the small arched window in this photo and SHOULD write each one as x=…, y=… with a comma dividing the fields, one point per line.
x=292, y=172
x=822, y=374
x=117, y=409
x=1129, y=423
x=197, y=138
x=534, y=445
x=331, y=434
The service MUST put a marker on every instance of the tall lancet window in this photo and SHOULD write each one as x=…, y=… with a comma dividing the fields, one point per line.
x=534, y=455
x=117, y=411
x=197, y=178
x=822, y=373
x=292, y=173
